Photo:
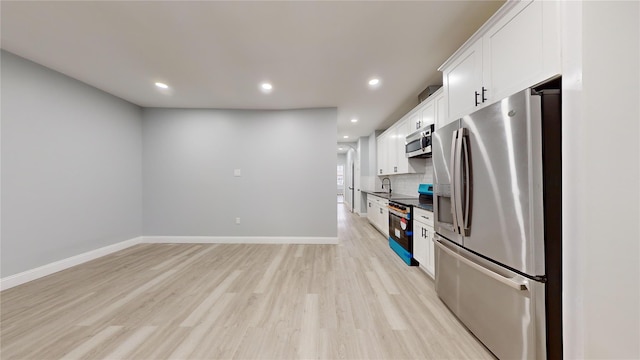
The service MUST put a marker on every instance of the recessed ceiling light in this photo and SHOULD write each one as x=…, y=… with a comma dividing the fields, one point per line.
x=374, y=81
x=266, y=87
x=162, y=85
x=346, y=136
x=354, y=120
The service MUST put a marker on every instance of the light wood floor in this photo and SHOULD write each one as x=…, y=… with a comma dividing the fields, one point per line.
x=355, y=300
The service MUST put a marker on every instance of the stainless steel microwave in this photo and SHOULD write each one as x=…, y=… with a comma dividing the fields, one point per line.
x=418, y=144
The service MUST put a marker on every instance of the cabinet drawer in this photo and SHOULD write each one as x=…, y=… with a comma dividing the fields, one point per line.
x=382, y=202
x=423, y=216
x=377, y=200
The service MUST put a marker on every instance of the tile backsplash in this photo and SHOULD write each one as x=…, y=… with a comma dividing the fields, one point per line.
x=407, y=184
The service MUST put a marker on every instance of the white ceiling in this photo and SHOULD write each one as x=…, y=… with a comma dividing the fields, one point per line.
x=215, y=54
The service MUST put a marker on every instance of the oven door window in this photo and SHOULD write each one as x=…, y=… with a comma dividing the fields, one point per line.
x=398, y=229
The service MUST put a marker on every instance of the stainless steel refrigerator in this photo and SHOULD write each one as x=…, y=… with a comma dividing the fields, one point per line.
x=497, y=203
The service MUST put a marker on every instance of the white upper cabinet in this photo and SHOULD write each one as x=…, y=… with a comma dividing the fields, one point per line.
x=441, y=108
x=391, y=151
x=415, y=121
x=401, y=165
x=391, y=143
x=517, y=48
x=382, y=155
x=522, y=49
x=430, y=111
x=462, y=81
x=428, y=114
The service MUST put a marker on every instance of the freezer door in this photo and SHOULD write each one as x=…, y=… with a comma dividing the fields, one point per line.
x=443, y=205
x=501, y=161
x=502, y=309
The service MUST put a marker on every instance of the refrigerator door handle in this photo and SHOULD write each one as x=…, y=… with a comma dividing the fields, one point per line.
x=452, y=166
x=457, y=199
x=517, y=284
x=467, y=183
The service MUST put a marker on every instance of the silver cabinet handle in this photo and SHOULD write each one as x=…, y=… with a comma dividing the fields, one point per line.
x=517, y=284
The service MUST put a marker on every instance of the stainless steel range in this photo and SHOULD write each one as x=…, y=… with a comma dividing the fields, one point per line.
x=401, y=231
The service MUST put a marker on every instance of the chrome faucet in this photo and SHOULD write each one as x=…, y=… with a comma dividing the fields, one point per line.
x=389, y=184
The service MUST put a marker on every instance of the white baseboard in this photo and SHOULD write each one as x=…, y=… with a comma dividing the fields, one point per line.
x=48, y=269
x=239, y=240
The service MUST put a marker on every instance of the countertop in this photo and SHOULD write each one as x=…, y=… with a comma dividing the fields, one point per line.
x=408, y=200
x=425, y=206
x=394, y=196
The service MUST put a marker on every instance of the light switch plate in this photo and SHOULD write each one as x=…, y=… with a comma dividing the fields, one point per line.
x=236, y=172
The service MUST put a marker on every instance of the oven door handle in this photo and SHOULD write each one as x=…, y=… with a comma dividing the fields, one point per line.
x=397, y=213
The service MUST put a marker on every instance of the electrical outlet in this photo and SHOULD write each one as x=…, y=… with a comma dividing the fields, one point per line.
x=237, y=220
x=237, y=172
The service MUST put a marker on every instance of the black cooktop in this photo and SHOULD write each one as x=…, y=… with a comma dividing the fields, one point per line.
x=423, y=203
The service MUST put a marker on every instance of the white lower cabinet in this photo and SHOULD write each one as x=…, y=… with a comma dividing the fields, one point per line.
x=378, y=213
x=384, y=219
x=423, y=248
x=371, y=205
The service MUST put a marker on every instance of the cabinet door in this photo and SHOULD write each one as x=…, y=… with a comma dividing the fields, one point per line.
x=521, y=49
x=382, y=154
x=401, y=132
x=462, y=79
x=415, y=121
x=384, y=222
x=378, y=219
x=392, y=164
x=440, y=102
x=389, y=153
x=429, y=251
x=419, y=243
x=428, y=112
x=371, y=215
x=381, y=219
x=376, y=212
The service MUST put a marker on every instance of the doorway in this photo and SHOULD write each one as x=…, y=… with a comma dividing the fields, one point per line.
x=340, y=176
x=352, y=187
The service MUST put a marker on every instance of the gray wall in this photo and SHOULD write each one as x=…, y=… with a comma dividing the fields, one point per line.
x=363, y=152
x=287, y=161
x=71, y=160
